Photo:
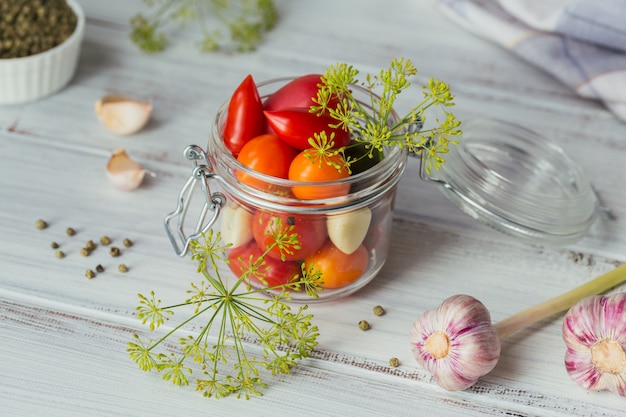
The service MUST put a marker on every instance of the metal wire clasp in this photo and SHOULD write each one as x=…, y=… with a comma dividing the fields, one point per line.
x=423, y=172
x=213, y=202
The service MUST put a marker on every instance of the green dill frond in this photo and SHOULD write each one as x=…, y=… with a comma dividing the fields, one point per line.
x=146, y=35
x=283, y=237
x=149, y=311
x=141, y=354
x=375, y=122
x=175, y=371
x=245, y=21
x=230, y=317
x=311, y=280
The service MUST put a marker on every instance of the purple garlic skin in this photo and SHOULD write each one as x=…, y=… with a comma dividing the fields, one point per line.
x=594, y=331
x=456, y=342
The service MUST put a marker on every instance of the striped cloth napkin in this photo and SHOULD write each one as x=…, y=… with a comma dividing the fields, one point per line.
x=580, y=42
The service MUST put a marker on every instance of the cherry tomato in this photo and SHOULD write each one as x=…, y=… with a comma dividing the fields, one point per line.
x=338, y=269
x=296, y=125
x=274, y=272
x=297, y=93
x=244, y=119
x=268, y=155
x=310, y=231
x=316, y=169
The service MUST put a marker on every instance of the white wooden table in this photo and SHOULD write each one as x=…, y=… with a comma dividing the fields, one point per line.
x=63, y=337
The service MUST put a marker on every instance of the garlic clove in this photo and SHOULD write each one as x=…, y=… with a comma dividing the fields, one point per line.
x=123, y=115
x=236, y=225
x=123, y=172
x=347, y=231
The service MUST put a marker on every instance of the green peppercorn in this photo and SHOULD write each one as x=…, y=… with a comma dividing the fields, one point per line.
x=99, y=268
x=379, y=311
x=364, y=325
x=90, y=245
x=41, y=224
x=105, y=240
x=54, y=245
x=127, y=242
x=28, y=27
x=114, y=251
x=59, y=254
x=122, y=268
x=394, y=362
x=90, y=274
x=85, y=252
x=70, y=231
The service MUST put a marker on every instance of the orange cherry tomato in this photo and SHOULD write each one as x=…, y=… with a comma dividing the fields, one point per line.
x=338, y=269
x=274, y=272
x=317, y=169
x=268, y=155
x=311, y=233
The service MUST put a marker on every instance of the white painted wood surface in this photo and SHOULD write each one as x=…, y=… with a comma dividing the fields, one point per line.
x=63, y=337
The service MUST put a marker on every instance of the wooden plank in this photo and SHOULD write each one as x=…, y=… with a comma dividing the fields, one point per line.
x=51, y=347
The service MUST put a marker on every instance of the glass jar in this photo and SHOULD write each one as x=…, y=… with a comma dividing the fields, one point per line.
x=502, y=174
x=344, y=237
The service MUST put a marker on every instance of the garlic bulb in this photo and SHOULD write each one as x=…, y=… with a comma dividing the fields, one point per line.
x=123, y=115
x=235, y=225
x=456, y=342
x=347, y=231
x=594, y=331
x=123, y=172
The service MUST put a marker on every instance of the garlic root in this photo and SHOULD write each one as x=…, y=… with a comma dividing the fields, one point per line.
x=123, y=115
x=125, y=173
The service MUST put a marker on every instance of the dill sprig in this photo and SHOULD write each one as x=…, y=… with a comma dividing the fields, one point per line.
x=233, y=314
x=374, y=123
x=246, y=21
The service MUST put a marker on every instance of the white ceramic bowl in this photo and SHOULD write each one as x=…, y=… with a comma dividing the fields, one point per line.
x=34, y=77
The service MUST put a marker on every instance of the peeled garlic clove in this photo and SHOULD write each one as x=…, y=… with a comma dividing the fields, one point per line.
x=347, y=231
x=236, y=225
x=123, y=172
x=123, y=115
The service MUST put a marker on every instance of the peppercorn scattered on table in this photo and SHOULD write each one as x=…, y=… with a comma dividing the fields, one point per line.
x=76, y=249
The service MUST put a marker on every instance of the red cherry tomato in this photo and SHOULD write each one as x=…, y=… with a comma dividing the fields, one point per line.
x=244, y=119
x=268, y=155
x=310, y=231
x=316, y=169
x=338, y=269
x=297, y=125
x=274, y=272
x=297, y=93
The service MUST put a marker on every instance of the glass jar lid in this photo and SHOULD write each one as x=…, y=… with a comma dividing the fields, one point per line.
x=517, y=182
